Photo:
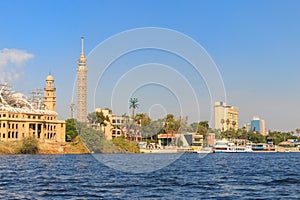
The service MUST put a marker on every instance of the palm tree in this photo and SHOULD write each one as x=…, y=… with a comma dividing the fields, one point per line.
x=222, y=122
x=233, y=124
x=227, y=122
x=133, y=104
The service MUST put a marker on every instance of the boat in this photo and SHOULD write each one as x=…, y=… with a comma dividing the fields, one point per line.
x=262, y=147
x=224, y=146
x=205, y=150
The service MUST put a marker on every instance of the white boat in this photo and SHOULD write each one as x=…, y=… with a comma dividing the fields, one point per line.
x=223, y=146
x=205, y=150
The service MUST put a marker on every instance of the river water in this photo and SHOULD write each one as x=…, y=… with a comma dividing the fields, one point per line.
x=215, y=176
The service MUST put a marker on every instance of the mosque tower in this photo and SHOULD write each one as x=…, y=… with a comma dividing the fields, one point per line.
x=50, y=94
x=82, y=86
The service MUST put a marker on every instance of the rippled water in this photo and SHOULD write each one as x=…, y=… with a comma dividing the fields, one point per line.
x=219, y=176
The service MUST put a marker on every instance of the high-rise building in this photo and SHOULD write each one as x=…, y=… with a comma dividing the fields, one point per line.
x=226, y=117
x=258, y=125
x=82, y=71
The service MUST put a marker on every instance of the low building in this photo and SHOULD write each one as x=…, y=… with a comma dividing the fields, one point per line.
x=197, y=143
x=20, y=117
x=166, y=139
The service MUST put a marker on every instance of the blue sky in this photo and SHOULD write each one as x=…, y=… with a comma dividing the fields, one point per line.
x=255, y=45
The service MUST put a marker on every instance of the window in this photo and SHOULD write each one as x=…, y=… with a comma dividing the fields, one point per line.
x=13, y=126
x=16, y=134
x=12, y=134
x=16, y=126
x=8, y=134
x=3, y=125
x=3, y=135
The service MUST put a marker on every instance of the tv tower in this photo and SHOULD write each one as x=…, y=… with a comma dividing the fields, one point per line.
x=82, y=71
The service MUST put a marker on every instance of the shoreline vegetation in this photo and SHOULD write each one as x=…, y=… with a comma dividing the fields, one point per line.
x=32, y=146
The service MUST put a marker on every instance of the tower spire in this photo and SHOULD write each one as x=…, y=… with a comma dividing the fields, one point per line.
x=82, y=45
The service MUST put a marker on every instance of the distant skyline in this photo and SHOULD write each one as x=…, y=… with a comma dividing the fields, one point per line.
x=255, y=45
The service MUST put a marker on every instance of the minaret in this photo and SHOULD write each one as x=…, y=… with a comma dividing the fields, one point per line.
x=82, y=86
x=50, y=94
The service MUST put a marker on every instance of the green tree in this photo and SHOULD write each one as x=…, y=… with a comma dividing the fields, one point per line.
x=233, y=124
x=133, y=104
x=194, y=126
x=143, y=119
x=171, y=125
x=71, y=130
x=222, y=122
x=203, y=127
x=101, y=119
x=227, y=122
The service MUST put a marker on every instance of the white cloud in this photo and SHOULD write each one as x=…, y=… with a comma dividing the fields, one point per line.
x=11, y=63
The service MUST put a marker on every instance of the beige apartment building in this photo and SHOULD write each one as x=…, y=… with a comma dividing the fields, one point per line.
x=22, y=117
x=226, y=117
x=113, y=126
x=119, y=126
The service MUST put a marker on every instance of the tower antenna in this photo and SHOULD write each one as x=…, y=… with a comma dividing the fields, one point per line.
x=82, y=45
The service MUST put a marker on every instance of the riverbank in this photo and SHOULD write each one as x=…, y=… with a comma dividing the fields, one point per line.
x=76, y=147
x=116, y=146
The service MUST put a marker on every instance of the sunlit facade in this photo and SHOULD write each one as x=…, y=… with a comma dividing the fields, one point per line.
x=226, y=117
x=22, y=117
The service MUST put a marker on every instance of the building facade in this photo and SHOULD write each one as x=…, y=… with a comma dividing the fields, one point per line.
x=226, y=117
x=115, y=126
x=82, y=83
x=258, y=125
x=20, y=118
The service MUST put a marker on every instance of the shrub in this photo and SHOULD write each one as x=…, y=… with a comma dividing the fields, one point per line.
x=126, y=145
x=29, y=146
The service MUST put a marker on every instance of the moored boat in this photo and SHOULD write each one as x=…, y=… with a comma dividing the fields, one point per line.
x=224, y=146
x=262, y=147
x=205, y=150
